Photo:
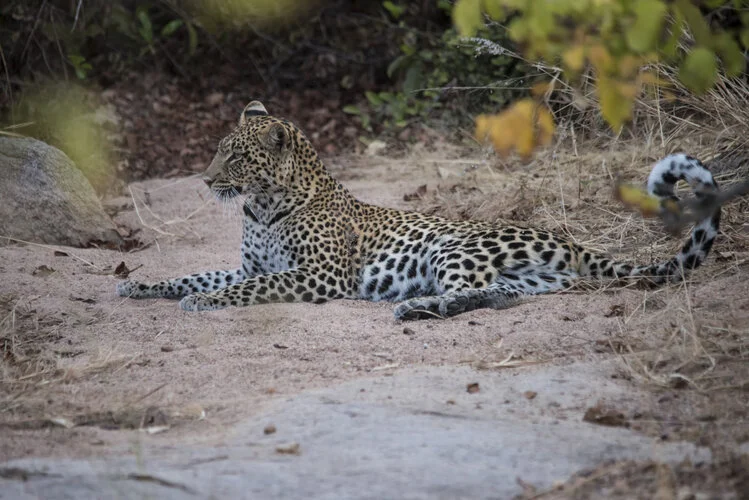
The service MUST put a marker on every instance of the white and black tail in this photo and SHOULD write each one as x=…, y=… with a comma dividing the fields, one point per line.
x=661, y=183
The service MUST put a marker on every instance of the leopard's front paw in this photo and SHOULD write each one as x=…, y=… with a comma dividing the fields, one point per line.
x=440, y=307
x=418, y=308
x=199, y=302
x=132, y=289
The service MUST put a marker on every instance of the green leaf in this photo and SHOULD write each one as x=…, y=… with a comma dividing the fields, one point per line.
x=386, y=97
x=730, y=53
x=76, y=59
x=395, y=10
x=696, y=22
x=467, y=17
x=352, y=109
x=171, y=27
x=146, y=28
x=744, y=36
x=670, y=48
x=192, y=36
x=373, y=98
x=414, y=79
x=643, y=35
x=699, y=70
x=395, y=66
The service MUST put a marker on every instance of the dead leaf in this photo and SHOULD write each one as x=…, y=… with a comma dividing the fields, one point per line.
x=121, y=271
x=616, y=310
x=81, y=299
x=601, y=415
x=269, y=429
x=288, y=449
x=42, y=271
x=472, y=388
x=60, y=253
x=530, y=394
x=416, y=195
x=280, y=346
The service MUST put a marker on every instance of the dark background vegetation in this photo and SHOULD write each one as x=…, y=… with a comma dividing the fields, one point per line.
x=174, y=78
x=157, y=83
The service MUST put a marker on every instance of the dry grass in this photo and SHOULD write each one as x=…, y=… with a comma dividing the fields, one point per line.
x=722, y=478
x=692, y=337
x=31, y=358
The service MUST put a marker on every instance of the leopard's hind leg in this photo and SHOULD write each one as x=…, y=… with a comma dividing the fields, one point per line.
x=507, y=289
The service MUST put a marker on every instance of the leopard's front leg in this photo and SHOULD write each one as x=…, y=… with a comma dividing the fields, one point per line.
x=180, y=287
x=296, y=285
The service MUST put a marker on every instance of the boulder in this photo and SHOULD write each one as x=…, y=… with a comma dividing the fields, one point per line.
x=44, y=198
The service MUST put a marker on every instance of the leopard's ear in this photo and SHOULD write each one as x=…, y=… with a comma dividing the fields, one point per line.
x=255, y=108
x=277, y=137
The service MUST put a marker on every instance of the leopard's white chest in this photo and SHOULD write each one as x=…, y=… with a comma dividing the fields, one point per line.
x=264, y=251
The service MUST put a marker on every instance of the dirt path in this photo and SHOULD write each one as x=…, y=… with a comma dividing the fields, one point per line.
x=126, y=398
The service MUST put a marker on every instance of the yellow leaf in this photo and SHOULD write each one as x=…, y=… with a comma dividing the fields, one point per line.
x=540, y=89
x=544, y=126
x=650, y=78
x=601, y=58
x=467, y=17
x=637, y=199
x=574, y=58
x=627, y=90
x=669, y=96
x=494, y=9
x=616, y=107
x=483, y=127
x=522, y=127
x=629, y=65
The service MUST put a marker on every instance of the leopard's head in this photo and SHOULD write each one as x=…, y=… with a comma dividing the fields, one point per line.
x=256, y=157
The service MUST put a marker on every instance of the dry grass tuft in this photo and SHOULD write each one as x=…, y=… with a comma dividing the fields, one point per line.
x=23, y=334
x=704, y=348
x=31, y=357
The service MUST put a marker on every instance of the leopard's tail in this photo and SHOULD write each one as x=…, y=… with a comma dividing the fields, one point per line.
x=661, y=182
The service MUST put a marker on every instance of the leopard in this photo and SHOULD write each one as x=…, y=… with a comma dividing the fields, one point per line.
x=306, y=238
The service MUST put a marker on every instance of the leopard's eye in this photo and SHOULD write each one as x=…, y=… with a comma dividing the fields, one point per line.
x=234, y=157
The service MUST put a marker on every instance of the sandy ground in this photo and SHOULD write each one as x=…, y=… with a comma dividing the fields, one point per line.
x=109, y=397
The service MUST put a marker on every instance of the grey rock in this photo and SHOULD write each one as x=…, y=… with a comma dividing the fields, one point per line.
x=375, y=438
x=46, y=199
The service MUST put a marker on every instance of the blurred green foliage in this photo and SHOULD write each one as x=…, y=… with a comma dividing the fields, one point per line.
x=621, y=39
x=70, y=118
